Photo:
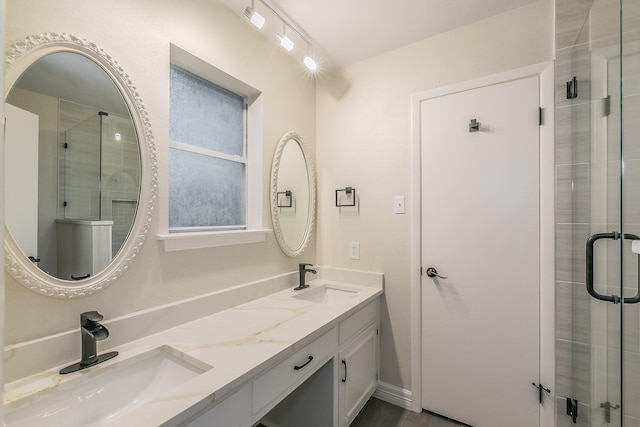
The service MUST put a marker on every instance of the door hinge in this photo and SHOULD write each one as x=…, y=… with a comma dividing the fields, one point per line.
x=606, y=106
x=572, y=409
x=540, y=388
x=572, y=88
x=540, y=115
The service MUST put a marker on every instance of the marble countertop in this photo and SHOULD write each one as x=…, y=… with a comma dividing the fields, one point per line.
x=238, y=343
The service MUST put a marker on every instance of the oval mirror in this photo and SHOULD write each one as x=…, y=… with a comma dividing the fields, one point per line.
x=293, y=194
x=80, y=172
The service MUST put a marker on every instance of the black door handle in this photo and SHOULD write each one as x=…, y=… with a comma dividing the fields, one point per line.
x=635, y=299
x=614, y=235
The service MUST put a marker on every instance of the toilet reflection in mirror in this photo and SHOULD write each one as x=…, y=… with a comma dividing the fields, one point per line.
x=73, y=166
x=292, y=194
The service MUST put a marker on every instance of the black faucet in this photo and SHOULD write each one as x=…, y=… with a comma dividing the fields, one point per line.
x=303, y=270
x=90, y=332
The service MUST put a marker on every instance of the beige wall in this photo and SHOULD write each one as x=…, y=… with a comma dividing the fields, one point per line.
x=137, y=35
x=364, y=140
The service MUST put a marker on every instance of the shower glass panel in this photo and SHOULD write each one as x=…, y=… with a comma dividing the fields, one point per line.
x=605, y=348
x=80, y=179
x=629, y=113
x=99, y=175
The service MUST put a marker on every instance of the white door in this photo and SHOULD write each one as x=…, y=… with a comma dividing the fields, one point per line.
x=21, y=172
x=480, y=229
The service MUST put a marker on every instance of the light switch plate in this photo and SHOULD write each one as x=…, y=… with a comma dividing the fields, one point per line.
x=398, y=205
x=354, y=250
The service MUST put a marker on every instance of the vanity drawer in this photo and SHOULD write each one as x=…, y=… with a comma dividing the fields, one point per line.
x=293, y=371
x=353, y=325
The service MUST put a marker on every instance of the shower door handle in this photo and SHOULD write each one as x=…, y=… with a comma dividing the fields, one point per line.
x=590, y=244
x=614, y=235
x=635, y=299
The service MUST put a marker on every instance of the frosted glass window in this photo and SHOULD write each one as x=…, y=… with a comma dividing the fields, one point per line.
x=207, y=155
x=205, y=191
x=205, y=115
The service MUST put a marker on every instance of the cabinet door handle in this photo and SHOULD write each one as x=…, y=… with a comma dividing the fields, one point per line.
x=297, y=368
x=344, y=380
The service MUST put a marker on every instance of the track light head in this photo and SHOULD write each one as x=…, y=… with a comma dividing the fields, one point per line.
x=310, y=63
x=285, y=42
x=255, y=18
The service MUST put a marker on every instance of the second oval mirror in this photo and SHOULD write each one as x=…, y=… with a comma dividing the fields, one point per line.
x=293, y=194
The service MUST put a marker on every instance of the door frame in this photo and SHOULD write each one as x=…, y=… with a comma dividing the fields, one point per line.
x=545, y=72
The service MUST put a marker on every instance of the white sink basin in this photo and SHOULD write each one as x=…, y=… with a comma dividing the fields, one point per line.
x=100, y=395
x=327, y=294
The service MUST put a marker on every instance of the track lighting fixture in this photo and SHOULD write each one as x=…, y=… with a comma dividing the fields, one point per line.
x=286, y=42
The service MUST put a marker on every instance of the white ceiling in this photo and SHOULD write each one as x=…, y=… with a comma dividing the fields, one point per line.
x=352, y=30
x=75, y=78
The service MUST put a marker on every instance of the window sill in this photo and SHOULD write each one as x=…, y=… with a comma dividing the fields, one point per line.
x=210, y=239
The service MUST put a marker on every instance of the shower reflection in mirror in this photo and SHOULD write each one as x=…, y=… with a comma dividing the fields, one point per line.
x=72, y=164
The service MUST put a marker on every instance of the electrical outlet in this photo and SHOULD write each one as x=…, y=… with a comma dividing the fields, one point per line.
x=398, y=205
x=354, y=250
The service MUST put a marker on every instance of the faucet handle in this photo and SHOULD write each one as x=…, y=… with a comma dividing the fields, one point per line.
x=90, y=316
x=303, y=265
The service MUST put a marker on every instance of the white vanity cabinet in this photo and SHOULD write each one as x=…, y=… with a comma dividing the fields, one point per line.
x=358, y=358
x=279, y=360
x=325, y=383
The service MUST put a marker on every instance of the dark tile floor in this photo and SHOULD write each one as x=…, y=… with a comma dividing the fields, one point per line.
x=377, y=413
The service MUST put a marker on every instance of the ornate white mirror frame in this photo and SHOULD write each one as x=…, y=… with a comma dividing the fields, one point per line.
x=292, y=136
x=19, y=57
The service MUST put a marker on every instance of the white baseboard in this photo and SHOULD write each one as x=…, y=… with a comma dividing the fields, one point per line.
x=394, y=395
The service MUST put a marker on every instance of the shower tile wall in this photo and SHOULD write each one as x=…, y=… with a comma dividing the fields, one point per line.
x=123, y=212
x=120, y=169
x=121, y=177
x=587, y=355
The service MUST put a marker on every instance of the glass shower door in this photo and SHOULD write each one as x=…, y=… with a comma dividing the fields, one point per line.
x=80, y=178
x=629, y=98
x=612, y=276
